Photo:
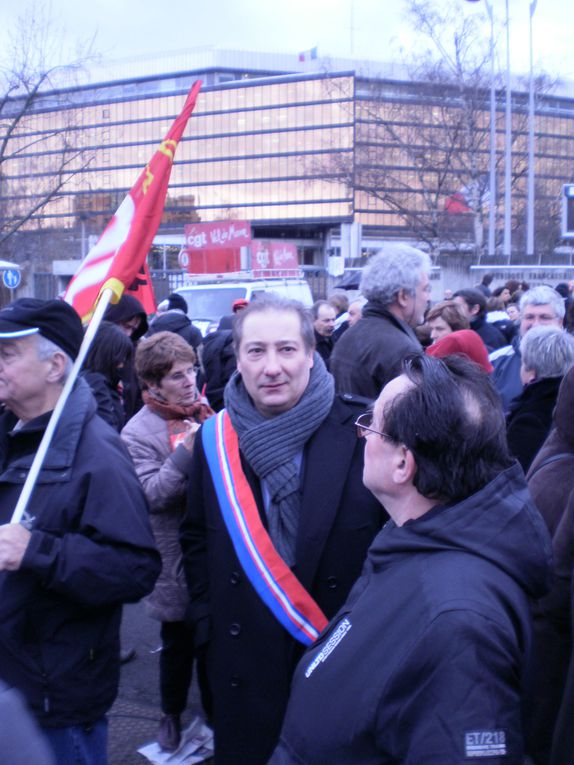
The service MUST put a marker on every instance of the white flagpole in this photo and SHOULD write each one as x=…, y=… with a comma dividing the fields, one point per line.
x=30, y=482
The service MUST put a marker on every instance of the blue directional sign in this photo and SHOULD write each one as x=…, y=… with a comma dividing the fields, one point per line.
x=11, y=278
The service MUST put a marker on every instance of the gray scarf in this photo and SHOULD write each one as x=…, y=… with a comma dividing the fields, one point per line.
x=270, y=445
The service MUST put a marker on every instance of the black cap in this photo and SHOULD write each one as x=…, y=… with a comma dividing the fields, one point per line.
x=53, y=319
x=177, y=301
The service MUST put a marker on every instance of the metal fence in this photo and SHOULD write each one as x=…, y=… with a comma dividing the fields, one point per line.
x=165, y=282
x=319, y=281
x=46, y=286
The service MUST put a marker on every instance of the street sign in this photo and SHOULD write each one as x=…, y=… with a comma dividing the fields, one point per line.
x=11, y=278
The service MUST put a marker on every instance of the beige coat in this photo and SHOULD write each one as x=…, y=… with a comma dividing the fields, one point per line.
x=163, y=475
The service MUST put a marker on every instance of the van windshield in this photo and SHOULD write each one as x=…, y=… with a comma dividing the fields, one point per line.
x=210, y=303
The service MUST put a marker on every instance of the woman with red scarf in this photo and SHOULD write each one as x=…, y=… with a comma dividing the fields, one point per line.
x=160, y=440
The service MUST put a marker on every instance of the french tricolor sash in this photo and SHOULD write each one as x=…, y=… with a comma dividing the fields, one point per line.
x=272, y=579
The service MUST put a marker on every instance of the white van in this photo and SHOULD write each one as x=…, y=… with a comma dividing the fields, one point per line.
x=209, y=300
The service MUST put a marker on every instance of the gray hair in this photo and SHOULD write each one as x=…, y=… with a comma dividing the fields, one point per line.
x=544, y=295
x=548, y=351
x=46, y=349
x=394, y=268
x=272, y=301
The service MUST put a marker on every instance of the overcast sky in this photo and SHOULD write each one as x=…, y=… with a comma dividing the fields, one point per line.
x=372, y=29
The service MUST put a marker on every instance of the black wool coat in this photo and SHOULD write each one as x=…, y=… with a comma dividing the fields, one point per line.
x=550, y=701
x=250, y=656
x=371, y=352
x=530, y=419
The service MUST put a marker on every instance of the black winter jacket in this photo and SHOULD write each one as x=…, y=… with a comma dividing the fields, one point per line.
x=371, y=353
x=551, y=482
x=324, y=347
x=530, y=419
x=219, y=363
x=551, y=475
x=490, y=335
x=426, y=662
x=91, y=550
x=108, y=400
x=175, y=321
x=127, y=308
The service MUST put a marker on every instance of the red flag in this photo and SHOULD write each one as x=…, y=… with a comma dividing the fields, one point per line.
x=457, y=203
x=142, y=289
x=119, y=254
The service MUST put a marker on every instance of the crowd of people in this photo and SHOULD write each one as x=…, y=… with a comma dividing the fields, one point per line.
x=354, y=523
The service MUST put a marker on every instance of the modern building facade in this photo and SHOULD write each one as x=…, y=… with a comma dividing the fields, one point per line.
x=333, y=156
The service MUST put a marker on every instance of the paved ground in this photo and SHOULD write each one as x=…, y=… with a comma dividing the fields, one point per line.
x=135, y=715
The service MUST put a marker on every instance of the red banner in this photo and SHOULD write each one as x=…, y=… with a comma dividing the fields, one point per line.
x=218, y=235
x=222, y=261
x=270, y=258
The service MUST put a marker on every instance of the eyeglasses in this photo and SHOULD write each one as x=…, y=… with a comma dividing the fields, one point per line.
x=363, y=425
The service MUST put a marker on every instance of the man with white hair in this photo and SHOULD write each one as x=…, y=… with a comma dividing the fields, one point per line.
x=355, y=311
x=540, y=306
x=396, y=285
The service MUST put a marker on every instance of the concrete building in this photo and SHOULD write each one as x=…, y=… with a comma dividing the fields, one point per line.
x=332, y=156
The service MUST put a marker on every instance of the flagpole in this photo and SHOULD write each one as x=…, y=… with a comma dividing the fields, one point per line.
x=111, y=266
x=32, y=477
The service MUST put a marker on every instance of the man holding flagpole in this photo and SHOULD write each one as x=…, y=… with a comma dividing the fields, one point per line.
x=277, y=526
x=86, y=546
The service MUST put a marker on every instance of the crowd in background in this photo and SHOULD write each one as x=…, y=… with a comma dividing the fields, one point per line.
x=526, y=358
x=163, y=387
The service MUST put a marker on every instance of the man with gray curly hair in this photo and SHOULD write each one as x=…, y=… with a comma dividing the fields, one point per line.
x=396, y=285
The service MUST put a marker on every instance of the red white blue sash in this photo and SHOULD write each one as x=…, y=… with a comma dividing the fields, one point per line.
x=272, y=579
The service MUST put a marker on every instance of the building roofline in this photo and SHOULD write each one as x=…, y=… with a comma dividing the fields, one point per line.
x=252, y=68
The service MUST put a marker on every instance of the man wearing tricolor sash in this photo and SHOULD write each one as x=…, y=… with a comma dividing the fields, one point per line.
x=278, y=523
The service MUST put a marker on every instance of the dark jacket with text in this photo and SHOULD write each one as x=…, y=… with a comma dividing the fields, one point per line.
x=427, y=660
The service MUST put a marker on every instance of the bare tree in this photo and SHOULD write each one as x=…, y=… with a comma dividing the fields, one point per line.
x=36, y=62
x=422, y=147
